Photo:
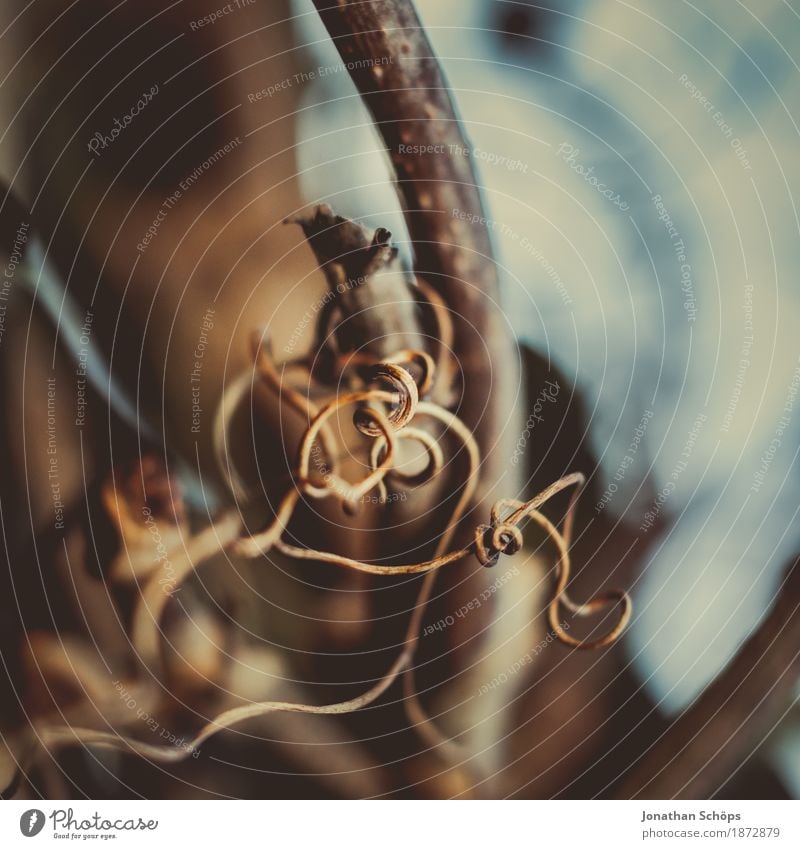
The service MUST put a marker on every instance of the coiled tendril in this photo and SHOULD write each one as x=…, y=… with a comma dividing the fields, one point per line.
x=390, y=406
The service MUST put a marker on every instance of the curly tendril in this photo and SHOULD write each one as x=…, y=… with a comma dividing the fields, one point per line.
x=389, y=401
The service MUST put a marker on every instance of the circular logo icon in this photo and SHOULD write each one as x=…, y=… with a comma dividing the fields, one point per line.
x=31, y=822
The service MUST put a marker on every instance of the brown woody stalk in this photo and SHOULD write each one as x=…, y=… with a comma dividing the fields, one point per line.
x=398, y=76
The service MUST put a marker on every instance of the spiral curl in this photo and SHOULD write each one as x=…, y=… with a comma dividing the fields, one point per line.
x=387, y=408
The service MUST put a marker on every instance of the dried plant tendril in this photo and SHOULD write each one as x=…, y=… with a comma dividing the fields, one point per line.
x=387, y=411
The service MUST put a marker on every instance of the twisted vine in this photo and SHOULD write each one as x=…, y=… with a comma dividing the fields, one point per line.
x=390, y=399
x=386, y=416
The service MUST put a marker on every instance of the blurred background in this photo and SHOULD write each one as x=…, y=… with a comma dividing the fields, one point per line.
x=639, y=171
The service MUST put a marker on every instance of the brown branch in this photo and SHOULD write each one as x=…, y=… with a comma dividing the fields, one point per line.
x=704, y=745
x=394, y=68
